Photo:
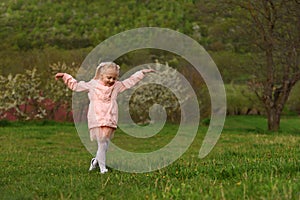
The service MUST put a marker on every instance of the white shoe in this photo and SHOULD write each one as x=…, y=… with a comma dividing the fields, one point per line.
x=103, y=170
x=93, y=164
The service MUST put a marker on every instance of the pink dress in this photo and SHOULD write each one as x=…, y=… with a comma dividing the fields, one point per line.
x=103, y=108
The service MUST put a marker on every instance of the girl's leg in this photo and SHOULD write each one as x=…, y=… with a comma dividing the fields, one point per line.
x=93, y=136
x=103, y=138
x=101, y=154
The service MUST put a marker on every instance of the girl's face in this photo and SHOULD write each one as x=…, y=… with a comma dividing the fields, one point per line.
x=109, y=76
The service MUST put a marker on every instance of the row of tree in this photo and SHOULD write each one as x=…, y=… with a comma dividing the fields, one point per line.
x=35, y=95
x=268, y=32
x=29, y=96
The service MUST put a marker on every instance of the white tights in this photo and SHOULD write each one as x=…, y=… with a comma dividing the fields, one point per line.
x=103, y=136
x=101, y=152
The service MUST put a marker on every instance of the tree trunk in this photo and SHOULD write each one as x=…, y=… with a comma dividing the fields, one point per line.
x=273, y=119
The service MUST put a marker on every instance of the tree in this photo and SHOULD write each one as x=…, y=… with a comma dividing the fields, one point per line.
x=22, y=94
x=272, y=33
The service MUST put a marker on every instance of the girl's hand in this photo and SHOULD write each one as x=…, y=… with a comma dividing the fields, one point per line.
x=148, y=70
x=59, y=75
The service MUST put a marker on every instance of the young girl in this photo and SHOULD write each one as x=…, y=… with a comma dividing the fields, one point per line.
x=103, y=109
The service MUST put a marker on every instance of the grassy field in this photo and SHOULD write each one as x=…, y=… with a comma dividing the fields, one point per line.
x=48, y=161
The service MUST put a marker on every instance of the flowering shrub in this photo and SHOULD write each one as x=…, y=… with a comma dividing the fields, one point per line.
x=164, y=88
x=27, y=96
x=22, y=94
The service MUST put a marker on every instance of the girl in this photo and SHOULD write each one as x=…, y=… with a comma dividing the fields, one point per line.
x=103, y=109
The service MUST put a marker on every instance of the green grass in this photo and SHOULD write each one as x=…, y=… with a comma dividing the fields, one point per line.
x=48, y=161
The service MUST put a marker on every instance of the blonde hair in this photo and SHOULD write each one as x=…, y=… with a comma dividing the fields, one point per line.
x=102, y=67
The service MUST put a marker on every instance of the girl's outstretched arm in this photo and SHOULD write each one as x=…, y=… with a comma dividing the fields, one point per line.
x=148, y=70
x=72, y=83
x=134, y=79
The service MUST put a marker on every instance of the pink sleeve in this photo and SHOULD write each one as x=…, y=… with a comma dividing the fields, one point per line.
x=132, y=80
x=74, y=85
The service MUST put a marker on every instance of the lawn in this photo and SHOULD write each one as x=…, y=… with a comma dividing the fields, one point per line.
x=48, y=161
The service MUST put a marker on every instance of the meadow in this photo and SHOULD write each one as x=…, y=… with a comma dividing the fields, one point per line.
x=47, y=160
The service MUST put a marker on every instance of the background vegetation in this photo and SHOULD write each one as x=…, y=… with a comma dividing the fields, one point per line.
x=36, y=35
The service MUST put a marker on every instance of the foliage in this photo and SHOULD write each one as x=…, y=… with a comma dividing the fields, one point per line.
x=36, y=34
x=241, y=101
x=30, y=96
x=158, y=91
x=80, y=24
x=27, y=97
x=22, y=93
